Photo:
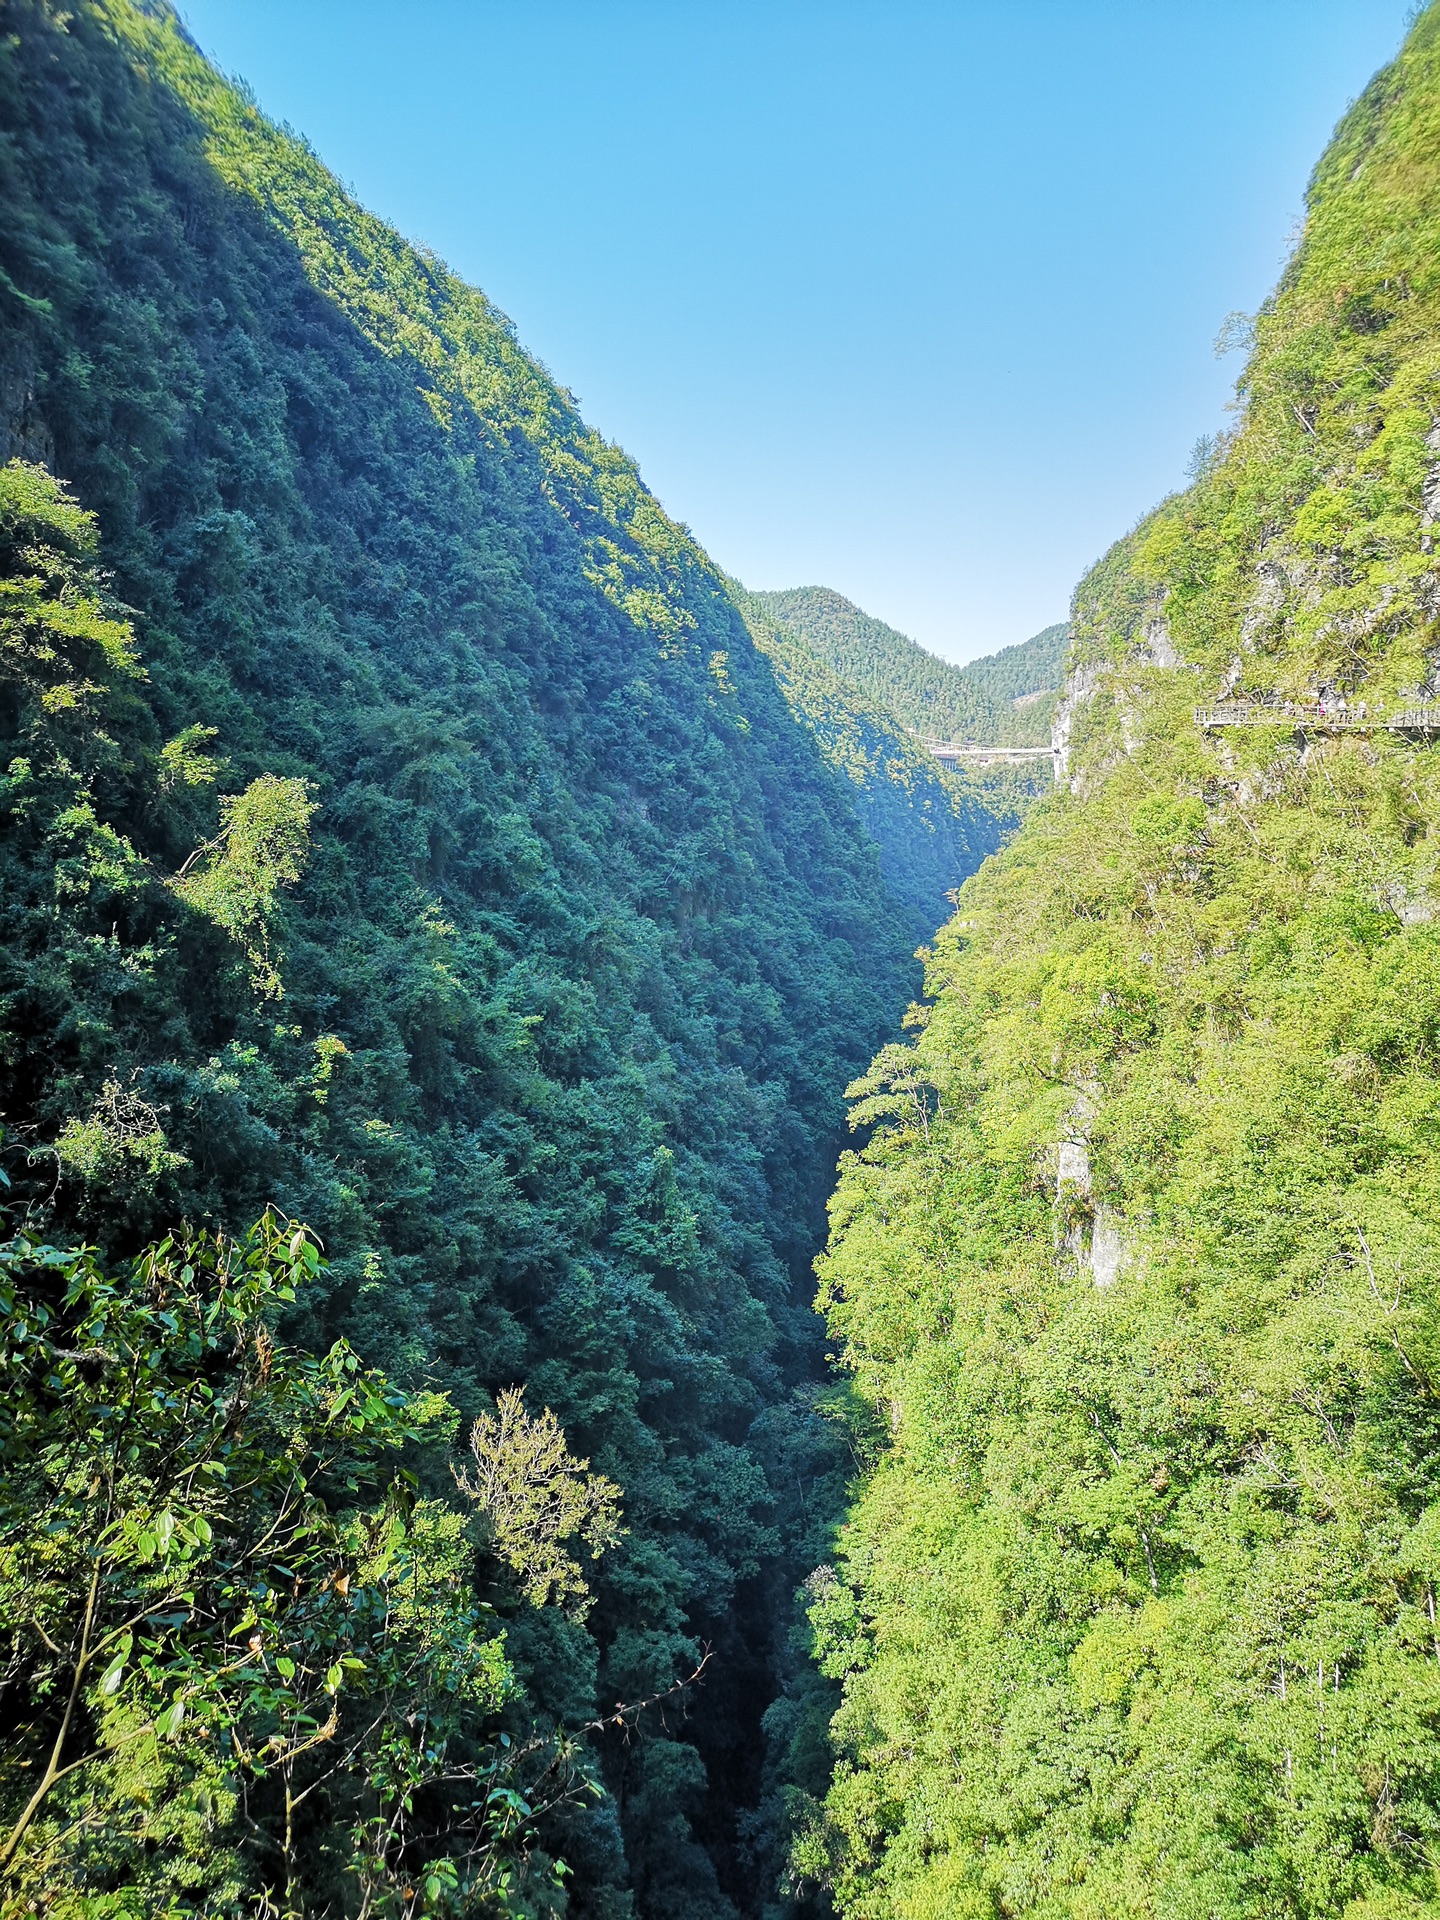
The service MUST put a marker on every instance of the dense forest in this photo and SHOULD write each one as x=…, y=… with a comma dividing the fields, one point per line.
x=442, y=918
x=435, y=937
x=1135, y=1275
x=1005, y=699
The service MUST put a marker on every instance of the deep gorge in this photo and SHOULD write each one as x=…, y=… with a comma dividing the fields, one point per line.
x=449, y=933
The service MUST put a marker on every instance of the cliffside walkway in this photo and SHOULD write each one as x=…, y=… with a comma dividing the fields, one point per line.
x=1423, y=721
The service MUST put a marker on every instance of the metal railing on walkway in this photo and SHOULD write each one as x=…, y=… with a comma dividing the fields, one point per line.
x=1321, y=717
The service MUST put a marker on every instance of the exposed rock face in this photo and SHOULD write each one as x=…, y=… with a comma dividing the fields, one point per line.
x=1412, y=909
x=1271, y=582
x=1104, y=1249
x=1079, y=687
x=23, y=434
x=1107, y=1249
x=1430, y=489
x=1073, y=1168
x=1154, y=647
x=1158, y=645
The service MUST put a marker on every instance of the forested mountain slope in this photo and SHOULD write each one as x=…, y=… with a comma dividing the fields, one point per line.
x=1136, y=1279
x=1021, y=683
x=400, y=828
x=932, y=825
x=925, y=693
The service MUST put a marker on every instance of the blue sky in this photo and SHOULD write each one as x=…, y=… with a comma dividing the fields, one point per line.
x=911, y=298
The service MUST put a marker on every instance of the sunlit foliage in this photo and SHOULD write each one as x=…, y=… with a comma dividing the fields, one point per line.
x=537, y=1499
x=225, y=1612
x=1136, y=1278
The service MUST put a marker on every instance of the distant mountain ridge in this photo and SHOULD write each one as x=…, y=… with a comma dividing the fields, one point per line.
x=1006, y=699
x=931, y=824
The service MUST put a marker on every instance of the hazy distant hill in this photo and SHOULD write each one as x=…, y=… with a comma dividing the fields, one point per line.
x=1007, y=698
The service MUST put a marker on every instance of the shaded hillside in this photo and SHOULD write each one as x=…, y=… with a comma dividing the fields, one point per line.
x=932, y=826
x=401, y=827
x=976, y=702
x=1136, y=1277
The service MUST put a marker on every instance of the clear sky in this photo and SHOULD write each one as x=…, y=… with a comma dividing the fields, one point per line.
x=910, y=298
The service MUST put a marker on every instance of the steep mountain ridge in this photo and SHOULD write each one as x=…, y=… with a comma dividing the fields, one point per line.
x=1135, y=1279
x=402, y=827
x=1004, y=699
